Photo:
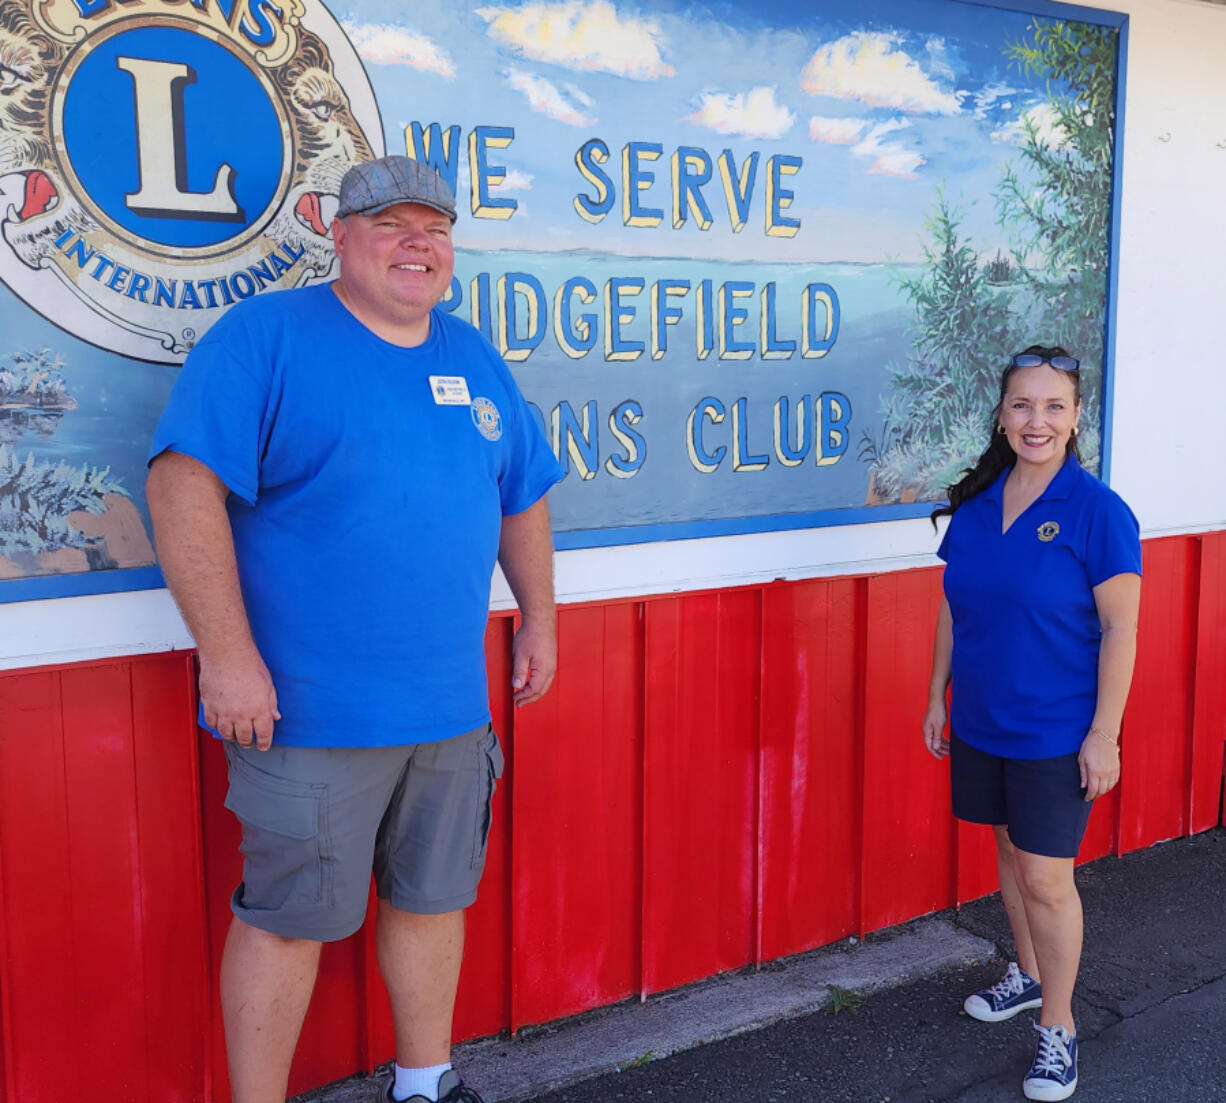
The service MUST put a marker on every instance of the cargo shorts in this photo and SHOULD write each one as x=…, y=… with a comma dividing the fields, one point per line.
x=317, y=821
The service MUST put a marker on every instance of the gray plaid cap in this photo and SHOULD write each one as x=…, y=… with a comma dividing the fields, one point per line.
x=373, y=186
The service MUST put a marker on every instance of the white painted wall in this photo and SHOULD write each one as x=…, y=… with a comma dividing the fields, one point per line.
x=1170, y=389
x=1170, y=379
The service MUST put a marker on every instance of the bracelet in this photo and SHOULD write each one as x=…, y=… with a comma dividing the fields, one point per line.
x=1103, y=735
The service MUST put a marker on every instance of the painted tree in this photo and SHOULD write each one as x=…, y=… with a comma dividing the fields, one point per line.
x=36, y=499
x=963, y=328
x=1056, y=206
x=36, y=377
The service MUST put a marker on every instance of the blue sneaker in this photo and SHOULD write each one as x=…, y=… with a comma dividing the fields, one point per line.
x=1054, y=1072
x=1016, y=991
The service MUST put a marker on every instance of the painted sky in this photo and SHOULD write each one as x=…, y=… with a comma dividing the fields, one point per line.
x=884, y=101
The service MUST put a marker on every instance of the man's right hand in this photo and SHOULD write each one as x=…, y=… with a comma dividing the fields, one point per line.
x=240, y=702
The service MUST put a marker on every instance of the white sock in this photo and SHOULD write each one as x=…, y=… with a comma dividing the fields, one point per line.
x=411, y=1082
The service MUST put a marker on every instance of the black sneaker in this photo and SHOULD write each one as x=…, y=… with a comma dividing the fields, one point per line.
x=1016, y=991
x=451, y=1089
x=1053, y=1075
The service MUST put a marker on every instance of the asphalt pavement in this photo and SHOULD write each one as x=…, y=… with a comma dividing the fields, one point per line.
x=881, y=1020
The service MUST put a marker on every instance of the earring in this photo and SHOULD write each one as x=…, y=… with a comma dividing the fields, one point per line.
x=1000, y=429
x=1075, y=430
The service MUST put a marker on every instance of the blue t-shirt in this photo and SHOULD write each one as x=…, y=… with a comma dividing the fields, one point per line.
x=366, y=514
x=1026, y=629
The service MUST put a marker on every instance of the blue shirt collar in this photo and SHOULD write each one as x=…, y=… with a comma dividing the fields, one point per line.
x=1059, y=488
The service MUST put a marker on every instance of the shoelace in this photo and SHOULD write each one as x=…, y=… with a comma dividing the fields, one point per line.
x=1011, y=984
x=1052, y=1054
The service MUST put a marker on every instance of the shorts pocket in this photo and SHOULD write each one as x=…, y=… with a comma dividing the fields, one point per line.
x=490, y=766
x=284, y=828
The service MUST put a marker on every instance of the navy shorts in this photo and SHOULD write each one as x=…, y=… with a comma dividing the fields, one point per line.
x=1040, y=800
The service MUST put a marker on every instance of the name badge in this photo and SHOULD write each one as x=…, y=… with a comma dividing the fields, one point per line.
x=449, y=390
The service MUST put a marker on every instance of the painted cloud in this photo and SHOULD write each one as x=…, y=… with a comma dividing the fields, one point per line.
x=546, y=98
x=867, y=66
x=752, y=114
x=938, y=58
x=888, y=158
x=836, y=132
x=516, y=181
x=384, y=45
x=587, y=35
x=513, y=181
x=1048, y=131
x=991, y=96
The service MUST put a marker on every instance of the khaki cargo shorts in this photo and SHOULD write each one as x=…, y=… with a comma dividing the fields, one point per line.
x=318, y=820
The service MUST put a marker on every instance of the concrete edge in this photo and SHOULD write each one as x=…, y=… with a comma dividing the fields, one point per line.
x=545, y=1058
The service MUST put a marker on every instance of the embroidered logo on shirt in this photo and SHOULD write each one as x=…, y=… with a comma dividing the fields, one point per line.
x=486, y=418
x=1048, y=531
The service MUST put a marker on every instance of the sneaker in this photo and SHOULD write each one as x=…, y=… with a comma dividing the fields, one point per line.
x=451, y=1089
x=1054, y=1072
x=1016, y=991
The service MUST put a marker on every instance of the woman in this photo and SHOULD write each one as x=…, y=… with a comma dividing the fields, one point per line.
x=1038, y=633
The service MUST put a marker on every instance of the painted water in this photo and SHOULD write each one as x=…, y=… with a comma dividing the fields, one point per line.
x=119, y=400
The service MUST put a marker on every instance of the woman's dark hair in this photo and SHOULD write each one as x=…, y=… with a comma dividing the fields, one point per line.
x=998, y=455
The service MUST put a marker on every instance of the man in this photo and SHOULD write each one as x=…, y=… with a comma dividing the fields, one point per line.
x=334, y=475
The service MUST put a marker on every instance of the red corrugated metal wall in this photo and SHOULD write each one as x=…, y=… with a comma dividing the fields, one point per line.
x=717, y=779
x=101, y=883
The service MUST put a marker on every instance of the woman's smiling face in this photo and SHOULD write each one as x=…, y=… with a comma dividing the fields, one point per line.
x=1039, y=412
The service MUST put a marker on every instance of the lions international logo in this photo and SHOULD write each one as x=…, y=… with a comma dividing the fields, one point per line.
x=486, y=418
x=161, y=160
x=1048, y=531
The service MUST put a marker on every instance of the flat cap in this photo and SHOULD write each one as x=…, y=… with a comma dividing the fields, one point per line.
x=373, y=186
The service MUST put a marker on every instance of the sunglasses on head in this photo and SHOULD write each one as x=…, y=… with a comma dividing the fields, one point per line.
x=1034, y=359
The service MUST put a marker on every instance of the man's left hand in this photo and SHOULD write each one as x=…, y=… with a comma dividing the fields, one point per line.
x=534, y=659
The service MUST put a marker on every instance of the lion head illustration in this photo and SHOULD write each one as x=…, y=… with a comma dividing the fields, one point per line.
x=29, y=59
x=33, y=207
x=327, y=142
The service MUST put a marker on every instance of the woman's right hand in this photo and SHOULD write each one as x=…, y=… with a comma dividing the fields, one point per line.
x=934, y=729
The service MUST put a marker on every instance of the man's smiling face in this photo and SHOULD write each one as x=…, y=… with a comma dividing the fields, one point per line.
x=395, y=265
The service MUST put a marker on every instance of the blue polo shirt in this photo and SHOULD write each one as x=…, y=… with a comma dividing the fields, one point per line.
x=1026, y=629
x=366, y=503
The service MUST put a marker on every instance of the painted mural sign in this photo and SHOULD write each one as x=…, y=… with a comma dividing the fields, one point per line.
x=753, y=268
